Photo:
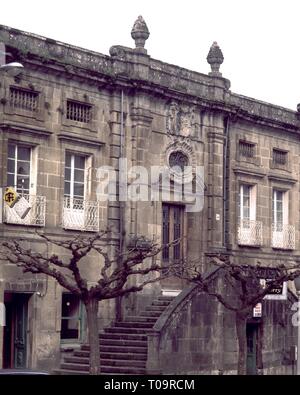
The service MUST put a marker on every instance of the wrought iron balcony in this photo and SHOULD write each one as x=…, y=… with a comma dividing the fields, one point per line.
x=250, y=233
x=36, y=215
x=80, y=214
x=283, y=236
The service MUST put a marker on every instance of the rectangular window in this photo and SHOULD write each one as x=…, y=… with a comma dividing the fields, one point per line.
x=74, y=176
x=247, y=202
x=18, y=167
x=280, y=209
x=283, y=234
x=279, y=157
x=249, y=229
x=172, y=229
x=24, y=99
x=246, y=149
x=71, y=321
x=79, y=112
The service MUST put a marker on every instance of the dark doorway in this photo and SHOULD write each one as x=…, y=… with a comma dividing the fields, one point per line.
x=15, y=331
x=252, y=341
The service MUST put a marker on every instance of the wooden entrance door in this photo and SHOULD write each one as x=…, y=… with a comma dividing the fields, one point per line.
x=173, y=228
x=15, y=333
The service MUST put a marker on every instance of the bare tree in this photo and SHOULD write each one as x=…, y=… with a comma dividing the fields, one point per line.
x=242, y=289
x=114, y=277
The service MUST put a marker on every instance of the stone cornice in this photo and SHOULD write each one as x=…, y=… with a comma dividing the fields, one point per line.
x=127, y=68
x=65, y=136
x=282, y=178
x=249, y=172
x=23, y=128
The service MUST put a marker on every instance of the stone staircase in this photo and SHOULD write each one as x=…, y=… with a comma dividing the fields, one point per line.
x=123, y=346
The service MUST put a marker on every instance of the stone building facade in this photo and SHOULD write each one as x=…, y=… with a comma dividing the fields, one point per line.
x=71, y=111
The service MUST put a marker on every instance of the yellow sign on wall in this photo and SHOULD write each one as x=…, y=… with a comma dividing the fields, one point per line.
x=10, y=196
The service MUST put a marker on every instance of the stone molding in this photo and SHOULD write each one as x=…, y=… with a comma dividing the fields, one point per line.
x=141, y=115
x=27, y=129
x=282, y=178
x=79, y=139
x=169, y=80
x=249, y=172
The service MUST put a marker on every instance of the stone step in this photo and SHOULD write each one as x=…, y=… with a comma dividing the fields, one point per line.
x=108, y=362
x=166, y=298
x=118, y=343
x=123, y=346
x=155, y=314
x=127, y=330
x=104, y=369
x=112, y=355
x=123, y=363
x=114, y=349
x=164, y=303
x=128, y=324
x=140, y=319
x=126, y=356
x=70, y=372
x=156, y=308
x=123, y=336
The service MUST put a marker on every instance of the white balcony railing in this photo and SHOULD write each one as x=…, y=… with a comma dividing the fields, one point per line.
x=283, y=236
x=80, y=214
x=36, y=215
x=250, y=233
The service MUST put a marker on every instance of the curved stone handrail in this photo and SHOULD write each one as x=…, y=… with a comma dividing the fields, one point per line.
x=155, y=336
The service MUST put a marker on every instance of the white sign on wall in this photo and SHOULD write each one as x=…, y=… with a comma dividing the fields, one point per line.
x=2, y=314
x=257, y=311
x=277, y=293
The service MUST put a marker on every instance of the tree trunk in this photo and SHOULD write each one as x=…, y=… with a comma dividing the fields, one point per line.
x=241, y=324
x=92, y=321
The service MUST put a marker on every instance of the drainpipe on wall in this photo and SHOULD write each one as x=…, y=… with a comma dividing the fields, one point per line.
x=121, y=206
x=225, y=181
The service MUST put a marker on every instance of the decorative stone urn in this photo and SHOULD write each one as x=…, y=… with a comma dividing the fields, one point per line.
x=215, y=58
x=140, y=32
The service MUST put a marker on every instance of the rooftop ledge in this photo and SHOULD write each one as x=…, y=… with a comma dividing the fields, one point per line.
x=129, y=65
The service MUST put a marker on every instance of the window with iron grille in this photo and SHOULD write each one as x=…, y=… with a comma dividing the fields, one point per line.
x=79, y=112
x=246, y=150
x=23, y=98
x=279, y=157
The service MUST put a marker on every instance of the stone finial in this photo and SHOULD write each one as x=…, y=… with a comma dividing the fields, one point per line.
x=140, y=33
x=215, y=58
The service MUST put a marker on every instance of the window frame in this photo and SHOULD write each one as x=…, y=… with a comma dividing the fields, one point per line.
x=80, y=317
x=177, y=252
x=252, y=147
x=285, y=206
x=277, y=165
x=88, y=107
x=252, y=202
x=32, y=166
x=39, y=113
x=72, y=175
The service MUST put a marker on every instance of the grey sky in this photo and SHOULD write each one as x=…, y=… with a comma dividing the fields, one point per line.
x=259, y=38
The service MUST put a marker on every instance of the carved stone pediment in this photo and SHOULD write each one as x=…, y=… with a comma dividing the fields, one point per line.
x=180, y=119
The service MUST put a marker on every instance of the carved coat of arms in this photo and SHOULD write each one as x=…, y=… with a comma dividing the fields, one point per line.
x=180, y=119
